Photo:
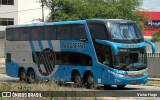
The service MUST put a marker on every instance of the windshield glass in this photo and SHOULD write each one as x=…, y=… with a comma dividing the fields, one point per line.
x=131, y=59
x=125, y=31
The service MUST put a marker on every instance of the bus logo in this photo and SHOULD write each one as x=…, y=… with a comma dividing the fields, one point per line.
x=73, y=45
x=46, y=62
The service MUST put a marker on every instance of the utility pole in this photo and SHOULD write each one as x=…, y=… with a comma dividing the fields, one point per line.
x=42, y=10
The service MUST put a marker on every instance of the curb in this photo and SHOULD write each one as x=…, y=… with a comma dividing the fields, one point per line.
x=153, y=79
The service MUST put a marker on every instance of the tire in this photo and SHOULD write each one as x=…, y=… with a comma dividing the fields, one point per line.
x=90, y=81
x=22, y=75
x=77, y=80
x=31, y=76
x=107, y=86
x=121, y=86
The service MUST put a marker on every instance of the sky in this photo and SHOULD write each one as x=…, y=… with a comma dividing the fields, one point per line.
x=151, y=5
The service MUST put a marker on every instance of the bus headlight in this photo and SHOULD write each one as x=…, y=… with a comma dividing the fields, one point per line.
x=130, y=74
x=116, y=74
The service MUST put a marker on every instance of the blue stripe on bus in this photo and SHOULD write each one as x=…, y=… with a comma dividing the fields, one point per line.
x=40, y=45
x=33, y=50
x=44, y=23
x=34, y=24
x=50, y=44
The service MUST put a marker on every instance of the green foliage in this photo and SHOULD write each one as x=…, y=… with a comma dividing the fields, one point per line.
x=156, y=36
x=84, y=9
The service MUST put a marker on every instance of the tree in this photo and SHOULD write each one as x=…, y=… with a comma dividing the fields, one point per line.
x=84, y=9
x=156, y=36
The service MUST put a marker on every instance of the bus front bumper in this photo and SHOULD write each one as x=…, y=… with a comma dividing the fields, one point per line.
x=125, y=79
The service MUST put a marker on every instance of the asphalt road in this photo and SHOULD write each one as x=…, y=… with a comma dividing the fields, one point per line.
x=5, y=78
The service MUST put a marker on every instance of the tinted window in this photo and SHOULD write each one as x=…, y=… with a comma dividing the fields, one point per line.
x=24, y=34
x=63, y=32
x=15, y=36
x=9, y=34
x=10, y=2
x=7, y=2
x=98, y=31
x=6, y=21
x=49, y=33
x=73, y=58
x=36, y=33
x=78, y=32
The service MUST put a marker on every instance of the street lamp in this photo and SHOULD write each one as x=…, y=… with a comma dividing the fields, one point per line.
x=42, y=10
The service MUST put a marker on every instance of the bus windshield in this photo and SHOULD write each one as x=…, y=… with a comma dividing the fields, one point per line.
x=124, y=31
x=131, y=59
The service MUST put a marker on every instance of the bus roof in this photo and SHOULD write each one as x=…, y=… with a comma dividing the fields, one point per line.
x=68, y=22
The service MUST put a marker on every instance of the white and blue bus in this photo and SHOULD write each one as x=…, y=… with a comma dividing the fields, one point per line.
x=92, y=51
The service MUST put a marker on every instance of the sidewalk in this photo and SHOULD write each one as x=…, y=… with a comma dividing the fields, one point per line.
x=153, y=79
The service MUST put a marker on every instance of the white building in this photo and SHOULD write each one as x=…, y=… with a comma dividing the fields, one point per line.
x=14, y=12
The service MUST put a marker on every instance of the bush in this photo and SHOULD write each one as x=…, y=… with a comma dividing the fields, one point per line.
x=156, y=36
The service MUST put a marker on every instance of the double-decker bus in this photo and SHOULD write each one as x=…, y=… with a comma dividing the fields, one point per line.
x=92, y=51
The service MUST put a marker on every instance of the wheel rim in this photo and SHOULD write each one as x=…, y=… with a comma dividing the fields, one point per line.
x=22, y=75
x=90, y=79
x=31, y=77
x=77, y=79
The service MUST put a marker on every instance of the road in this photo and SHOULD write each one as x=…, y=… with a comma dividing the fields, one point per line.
x=112, y=93
x=5, y=78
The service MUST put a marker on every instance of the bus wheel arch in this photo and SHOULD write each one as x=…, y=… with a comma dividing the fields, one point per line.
x=21, y=74
x=88, y=78
x=76, y=78
x=31, y=75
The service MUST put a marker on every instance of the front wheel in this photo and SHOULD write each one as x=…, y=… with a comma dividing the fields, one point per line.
x=121, y=86
x=31, y=76
x=106, y=86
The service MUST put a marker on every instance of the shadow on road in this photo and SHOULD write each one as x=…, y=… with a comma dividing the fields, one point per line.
x=115, y=88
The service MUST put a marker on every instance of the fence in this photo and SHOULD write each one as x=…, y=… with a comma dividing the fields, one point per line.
x=153, y=65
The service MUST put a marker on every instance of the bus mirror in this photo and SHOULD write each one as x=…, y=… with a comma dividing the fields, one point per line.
x=152, y=45
x=84, y=40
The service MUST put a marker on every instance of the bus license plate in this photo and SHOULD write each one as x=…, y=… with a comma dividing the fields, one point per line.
x=133, y=82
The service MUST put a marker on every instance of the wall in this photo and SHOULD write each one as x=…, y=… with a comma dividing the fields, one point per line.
x=30, y=10
x=9, y=8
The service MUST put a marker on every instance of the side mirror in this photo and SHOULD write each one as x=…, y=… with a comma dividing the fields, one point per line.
x=152, y=45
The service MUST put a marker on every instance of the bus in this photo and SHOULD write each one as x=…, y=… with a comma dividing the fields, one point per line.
x=92, y=51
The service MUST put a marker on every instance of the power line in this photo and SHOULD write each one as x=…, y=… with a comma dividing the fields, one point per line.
x=20, y=11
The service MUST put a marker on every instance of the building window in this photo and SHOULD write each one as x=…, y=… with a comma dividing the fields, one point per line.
x=6, y=21
x=6, y=2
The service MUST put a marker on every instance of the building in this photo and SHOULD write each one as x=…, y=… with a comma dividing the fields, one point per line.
x=152, y=25
x=14, y=12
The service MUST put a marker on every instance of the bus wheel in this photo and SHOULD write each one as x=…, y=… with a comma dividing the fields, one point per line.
x=90, y=80
x=22, y=75
x=77, y=80
x=121, y=86
x=31, y=76
x=106, y=86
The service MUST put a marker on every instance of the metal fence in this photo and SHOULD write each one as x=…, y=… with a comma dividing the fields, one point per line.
x=153, y=65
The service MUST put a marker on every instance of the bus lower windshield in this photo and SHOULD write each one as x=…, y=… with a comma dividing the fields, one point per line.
x=124, y=31
x=131, y=59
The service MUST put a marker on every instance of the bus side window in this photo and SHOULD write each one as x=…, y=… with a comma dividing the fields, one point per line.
x=49, y=33
x=9, y=34
x=78, y=32
x=98, y=31
x=15, y=36
x=24, y=34
x=36, y=33
x=63, y=32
